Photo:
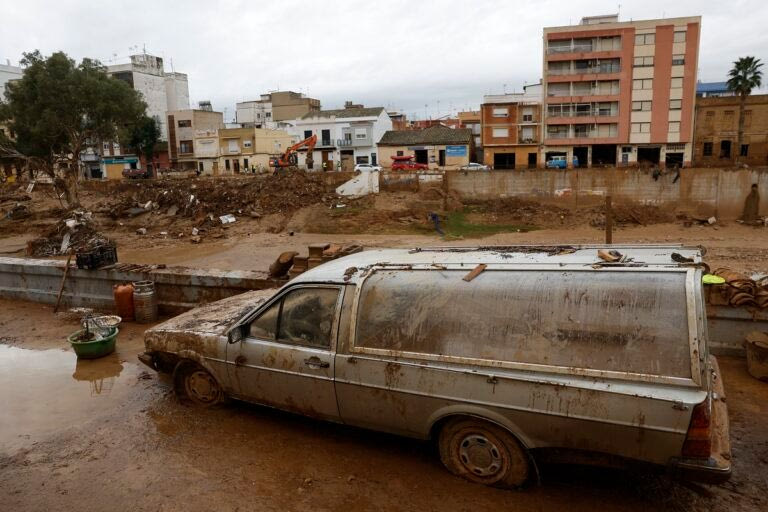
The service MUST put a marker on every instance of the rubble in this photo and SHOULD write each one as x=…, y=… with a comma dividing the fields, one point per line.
x=739, y=290
x=76, y=233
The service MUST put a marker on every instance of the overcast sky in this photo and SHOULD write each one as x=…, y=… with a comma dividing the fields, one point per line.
x=402, y=54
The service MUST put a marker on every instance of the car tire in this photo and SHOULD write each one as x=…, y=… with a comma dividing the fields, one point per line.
x=196, y=386
x=483, y=453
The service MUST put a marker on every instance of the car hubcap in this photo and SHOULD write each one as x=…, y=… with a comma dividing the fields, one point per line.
x=479, y=455
x=202, y=387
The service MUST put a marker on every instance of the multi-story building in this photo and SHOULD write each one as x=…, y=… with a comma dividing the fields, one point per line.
x=162, y=91
x=193, y=139
x=8, y=73
x=717, y=125
x=243, y=150
x=621, y=93
x=472, y=120
x=511, y=129
x=274, y=108
x=345, y=137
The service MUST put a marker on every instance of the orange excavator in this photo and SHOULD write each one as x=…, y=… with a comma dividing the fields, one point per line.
x=290, y=158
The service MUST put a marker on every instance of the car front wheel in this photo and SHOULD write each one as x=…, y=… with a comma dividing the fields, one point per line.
x=484, y=453
x=196, y=385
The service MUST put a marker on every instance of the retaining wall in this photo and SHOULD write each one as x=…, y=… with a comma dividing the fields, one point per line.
x=178, y=289
x=702, y=191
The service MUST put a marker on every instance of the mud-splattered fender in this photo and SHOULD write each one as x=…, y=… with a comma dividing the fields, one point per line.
x=482, y=413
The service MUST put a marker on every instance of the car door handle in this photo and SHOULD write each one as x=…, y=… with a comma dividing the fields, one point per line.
x=315, y=362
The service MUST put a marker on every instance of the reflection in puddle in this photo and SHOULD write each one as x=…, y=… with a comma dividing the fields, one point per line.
x=43, y=391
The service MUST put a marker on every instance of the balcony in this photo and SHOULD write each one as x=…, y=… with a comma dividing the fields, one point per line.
x=571, y=48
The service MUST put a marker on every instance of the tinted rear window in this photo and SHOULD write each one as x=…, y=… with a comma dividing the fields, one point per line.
x=616, y=321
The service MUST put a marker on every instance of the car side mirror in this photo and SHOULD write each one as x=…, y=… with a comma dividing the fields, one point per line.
x=236, y=334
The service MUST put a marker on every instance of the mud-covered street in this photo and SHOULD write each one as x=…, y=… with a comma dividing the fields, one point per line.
x=109, y=434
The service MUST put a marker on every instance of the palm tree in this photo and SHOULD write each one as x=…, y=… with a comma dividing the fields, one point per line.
x=744, y=76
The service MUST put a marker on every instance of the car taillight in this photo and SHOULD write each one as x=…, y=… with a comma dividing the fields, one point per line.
x=698, y=440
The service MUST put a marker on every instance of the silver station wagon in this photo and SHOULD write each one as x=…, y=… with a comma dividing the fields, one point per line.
x=507, y=357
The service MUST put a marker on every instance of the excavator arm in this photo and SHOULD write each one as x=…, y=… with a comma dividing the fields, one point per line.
x=289, y=158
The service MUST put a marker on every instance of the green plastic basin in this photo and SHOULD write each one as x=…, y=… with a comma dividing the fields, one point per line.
x=93, y=349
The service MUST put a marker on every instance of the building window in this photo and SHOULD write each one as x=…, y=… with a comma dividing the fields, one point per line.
x=185, y=146
x=557, y=131
x=725, y=149
x=399, y=153
x=641, y=39
x=268, y=115
x=247, y=144
x=674, y=127
x=527, y=118
x=641, y=62
x=641, y=127
x=500, y=112
x=675, y=104
x=678, y=60
x=747, y=118
x=679, y=36
x=744, y=150
x=641, y=106
x=676, y=83
x=360, y=133
x=707, y=150
x=361, y=159
x=307, y=134
x=499, y=133
x=185, y=123
x=226, y=164
x=642, y=83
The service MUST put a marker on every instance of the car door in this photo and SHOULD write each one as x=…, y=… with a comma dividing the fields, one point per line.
x=285, y=357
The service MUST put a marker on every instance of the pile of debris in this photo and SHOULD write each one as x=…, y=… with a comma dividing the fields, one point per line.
x=739, y=290
x=201, y=198
x=291, y=264
x=76, y=233
x=628, y=214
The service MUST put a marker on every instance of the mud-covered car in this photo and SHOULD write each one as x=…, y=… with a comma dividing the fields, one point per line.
x=506, y=357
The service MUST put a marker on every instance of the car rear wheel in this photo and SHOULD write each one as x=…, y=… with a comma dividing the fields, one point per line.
x=197, y=386
x=483, y=453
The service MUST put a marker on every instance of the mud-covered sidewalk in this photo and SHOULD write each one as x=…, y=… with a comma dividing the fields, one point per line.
x=109, y=435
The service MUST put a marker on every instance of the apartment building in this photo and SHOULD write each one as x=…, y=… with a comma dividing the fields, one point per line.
x=345, y=136
x=717, y=125
x=511, y=129
x=244, y=150
x=621, y=93
x=162, y=90
x=193, y=139
x=273, y=109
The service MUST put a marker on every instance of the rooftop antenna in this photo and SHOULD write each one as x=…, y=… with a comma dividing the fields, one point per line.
x=618, y=12
x=504, y=88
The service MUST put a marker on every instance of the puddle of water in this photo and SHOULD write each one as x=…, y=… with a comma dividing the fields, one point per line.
x=44, y=391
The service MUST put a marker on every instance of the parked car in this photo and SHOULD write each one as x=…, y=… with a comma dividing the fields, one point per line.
x=473, y=166
x=406, y=163
x=367, y=167
x=505, y=357
x=557, y=162
x=136, y=173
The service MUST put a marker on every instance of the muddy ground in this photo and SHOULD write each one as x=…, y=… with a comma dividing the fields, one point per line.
x=109, y=435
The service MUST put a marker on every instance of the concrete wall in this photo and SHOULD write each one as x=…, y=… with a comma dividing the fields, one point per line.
x=177, y=289
x=699, y=191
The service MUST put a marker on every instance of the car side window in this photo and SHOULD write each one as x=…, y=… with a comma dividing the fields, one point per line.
x=307, y=316
x=265, y=326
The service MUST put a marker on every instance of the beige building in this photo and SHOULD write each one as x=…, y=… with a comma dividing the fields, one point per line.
x=274, y=108
x=244, y=150
x=439, y=147
x=193, y=139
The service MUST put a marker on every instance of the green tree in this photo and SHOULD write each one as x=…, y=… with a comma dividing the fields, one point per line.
x=58, y=108
x=144, y=137
x=744, y=76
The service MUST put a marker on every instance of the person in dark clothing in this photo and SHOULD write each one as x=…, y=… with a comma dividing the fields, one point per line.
x=435, y=218
x=751, y=212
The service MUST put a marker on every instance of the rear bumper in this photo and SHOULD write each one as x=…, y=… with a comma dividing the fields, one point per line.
x=716, y=469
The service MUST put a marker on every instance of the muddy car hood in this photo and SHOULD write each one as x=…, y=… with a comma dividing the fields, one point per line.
x=216, y=317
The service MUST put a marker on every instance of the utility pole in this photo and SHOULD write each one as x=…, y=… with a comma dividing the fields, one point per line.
x=608, y=220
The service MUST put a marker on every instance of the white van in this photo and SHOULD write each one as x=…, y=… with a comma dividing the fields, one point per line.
x=505, y=356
